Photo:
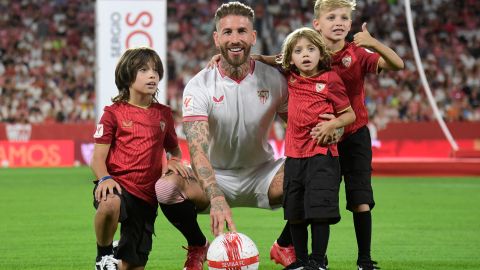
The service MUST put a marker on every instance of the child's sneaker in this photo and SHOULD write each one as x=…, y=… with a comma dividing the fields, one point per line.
x=107, y=262
x=297, y=265
x=314, y=265
x=367, y=265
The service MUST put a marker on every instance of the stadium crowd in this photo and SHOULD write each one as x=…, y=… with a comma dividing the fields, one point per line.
x=47, y=57
x=47, y=61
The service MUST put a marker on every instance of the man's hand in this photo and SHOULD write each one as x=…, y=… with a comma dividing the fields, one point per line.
x=220, y=213
x=106, y=188
x=363, y=38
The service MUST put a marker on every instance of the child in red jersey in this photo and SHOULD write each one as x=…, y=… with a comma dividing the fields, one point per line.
x=352, y=61
x=312, y=171
x=127, y=160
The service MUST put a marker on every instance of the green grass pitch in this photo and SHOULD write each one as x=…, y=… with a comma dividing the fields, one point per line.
x=46, y=222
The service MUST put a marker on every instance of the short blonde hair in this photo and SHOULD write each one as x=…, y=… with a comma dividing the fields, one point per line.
x=315, y=38
x=329, y=5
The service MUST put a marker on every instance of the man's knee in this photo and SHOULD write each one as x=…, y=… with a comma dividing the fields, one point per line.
x=275, y=190
x=168, y=190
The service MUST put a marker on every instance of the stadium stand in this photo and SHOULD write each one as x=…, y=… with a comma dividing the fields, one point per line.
x=47, y=61
x=47, y=57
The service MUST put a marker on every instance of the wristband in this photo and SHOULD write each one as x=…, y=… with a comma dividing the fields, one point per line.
x=176, y=159
x=104, y=178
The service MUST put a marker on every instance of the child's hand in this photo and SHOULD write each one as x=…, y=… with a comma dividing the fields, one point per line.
x=279, y=59
x=106, y=188
x=364, y=39
x=256, y=57
x=213, y=61
x=324, y=132
x=318, y=134
x=177, y=167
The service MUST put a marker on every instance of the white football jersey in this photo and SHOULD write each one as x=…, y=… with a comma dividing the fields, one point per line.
x=239, y=114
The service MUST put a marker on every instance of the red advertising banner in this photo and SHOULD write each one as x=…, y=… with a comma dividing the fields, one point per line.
x=41, y=153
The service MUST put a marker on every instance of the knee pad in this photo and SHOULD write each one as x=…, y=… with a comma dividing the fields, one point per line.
x=167, y=192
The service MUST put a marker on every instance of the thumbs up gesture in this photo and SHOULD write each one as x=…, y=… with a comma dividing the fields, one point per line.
x=363, y=38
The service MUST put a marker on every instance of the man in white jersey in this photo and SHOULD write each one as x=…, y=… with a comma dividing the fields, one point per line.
x=227, y=112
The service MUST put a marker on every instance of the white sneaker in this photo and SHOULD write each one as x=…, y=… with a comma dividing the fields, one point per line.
x=107, y=262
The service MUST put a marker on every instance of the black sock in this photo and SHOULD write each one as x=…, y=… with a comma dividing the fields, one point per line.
x=299, y=235
x=184, y=217
x=363, y=230
x=320, y=236
x=285, y=239
x=103, y=251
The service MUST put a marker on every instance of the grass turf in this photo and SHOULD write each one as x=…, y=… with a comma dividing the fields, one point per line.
x=419, y=223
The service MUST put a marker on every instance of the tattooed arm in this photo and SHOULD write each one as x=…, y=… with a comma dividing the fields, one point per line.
x=197, y=136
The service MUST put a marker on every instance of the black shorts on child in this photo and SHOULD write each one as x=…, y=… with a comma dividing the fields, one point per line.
x=311, y=187
x=138, y=219
x=356, y=164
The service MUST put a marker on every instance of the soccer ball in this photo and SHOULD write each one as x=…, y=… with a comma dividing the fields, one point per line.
x=232, y=251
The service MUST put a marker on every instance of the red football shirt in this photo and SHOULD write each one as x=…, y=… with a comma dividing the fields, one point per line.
x=352, y=64
x=137, y=139
x=307, y=99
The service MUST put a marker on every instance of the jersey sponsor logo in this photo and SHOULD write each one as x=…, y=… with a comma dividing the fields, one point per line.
x=188, y=104
x=98, y=131
x=127, y=123
x=319, y=87
x=347, y=61
x=218, y=100
x=162, y=125
x=263, y=95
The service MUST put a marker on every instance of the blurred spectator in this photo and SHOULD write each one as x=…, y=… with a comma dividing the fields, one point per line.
x=47, y=57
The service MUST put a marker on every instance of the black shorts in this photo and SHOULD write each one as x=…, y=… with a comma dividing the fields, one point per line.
x=138, y=219
x=356, y=165
x=311, y=187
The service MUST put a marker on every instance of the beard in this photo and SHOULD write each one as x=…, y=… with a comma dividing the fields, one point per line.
x=238, y=60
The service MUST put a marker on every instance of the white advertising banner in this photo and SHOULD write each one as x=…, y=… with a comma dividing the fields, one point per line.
x=123, y=24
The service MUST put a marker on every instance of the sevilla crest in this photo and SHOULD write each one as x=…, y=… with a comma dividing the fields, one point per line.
x=319, y=87
x=263, y=95
x=347, y=61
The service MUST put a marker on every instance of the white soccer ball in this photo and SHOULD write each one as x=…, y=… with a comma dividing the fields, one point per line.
x=232, y=251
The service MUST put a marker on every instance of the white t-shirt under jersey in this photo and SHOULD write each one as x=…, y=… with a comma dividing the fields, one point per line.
x=239, y=113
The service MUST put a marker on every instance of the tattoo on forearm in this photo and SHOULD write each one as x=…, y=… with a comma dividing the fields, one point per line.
x=205, y=147
x=204, y=173
x=197, y=137
x=213, y=191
